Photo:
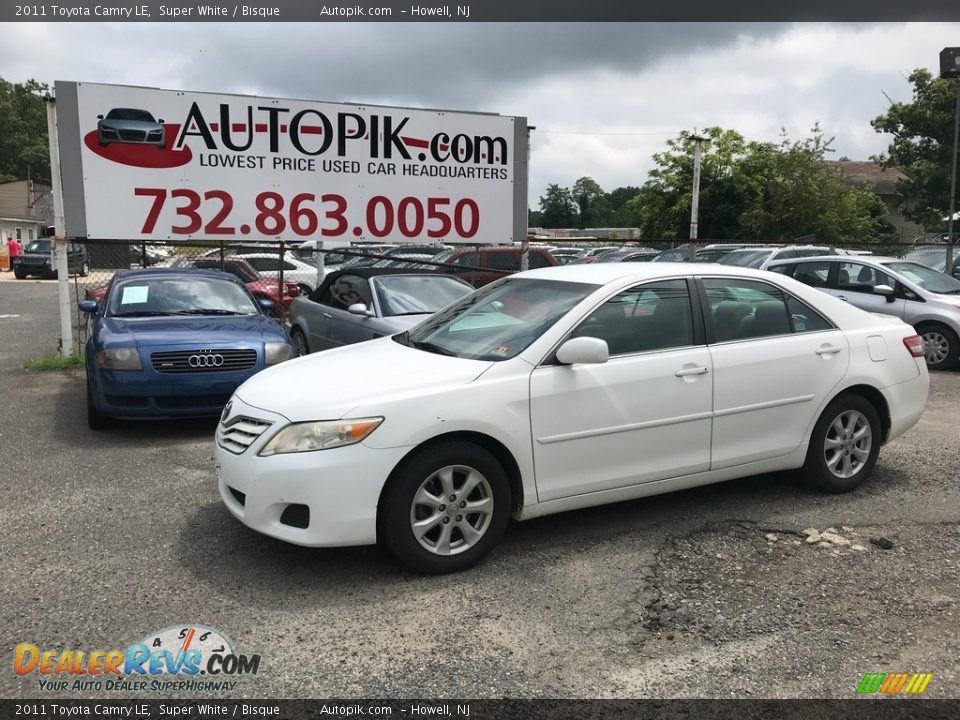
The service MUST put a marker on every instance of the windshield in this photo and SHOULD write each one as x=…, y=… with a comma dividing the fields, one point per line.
x=417, y=294
x=130, y=114
x=746, y=258
x=179, y=296
x=498, y=321
x=38, y=246
x=936, y=259
x=926, y=278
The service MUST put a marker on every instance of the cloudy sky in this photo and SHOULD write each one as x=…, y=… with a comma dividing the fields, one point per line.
x=603, y=97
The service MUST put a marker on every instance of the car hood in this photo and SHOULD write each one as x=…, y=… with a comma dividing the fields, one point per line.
x=329, y=384
x=150, y=331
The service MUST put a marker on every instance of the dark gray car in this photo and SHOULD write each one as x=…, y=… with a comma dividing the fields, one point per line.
x=351, y=306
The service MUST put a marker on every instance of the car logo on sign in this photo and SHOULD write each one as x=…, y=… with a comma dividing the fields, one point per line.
x=226, y=411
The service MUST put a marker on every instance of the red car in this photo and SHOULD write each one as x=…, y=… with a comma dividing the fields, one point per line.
x=259, y=287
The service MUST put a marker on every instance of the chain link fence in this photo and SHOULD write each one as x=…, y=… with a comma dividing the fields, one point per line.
x=280, y=272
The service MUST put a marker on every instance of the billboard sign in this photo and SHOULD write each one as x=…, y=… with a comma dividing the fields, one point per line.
x=149, y=164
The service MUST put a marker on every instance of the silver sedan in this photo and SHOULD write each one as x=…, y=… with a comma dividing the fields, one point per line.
x=351, y=306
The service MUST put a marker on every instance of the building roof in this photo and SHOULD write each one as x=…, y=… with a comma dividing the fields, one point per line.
x=883, y=181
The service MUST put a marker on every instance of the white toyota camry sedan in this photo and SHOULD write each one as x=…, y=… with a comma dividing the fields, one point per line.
x=562, y=388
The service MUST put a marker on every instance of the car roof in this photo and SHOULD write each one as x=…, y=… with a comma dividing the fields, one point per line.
x=863, y=259
x=603, y=273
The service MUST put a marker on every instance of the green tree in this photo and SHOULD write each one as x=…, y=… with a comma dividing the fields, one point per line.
x=558, y=208
x=617, y=199
x=592, y=203
x=24, y=150
x=921, y=149
x=662, y=206
x=792, y=192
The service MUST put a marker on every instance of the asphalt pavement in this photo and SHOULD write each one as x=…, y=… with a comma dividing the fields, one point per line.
x=711, y=592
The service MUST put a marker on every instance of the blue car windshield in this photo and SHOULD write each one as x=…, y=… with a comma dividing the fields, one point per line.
x=142, y=297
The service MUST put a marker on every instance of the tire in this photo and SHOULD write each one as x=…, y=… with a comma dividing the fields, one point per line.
x=85, y=269
x=304, y=289
x=96, y=420
x=940, y=345
x=19, y=275
x=300, y=342
x=844, y=445
x=419, y=492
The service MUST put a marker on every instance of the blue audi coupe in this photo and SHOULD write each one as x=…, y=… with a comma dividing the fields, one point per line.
x=167, y=343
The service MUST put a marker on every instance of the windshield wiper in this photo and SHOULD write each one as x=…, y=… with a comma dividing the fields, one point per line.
x=415, y=312
x=208, y=311
x=431, y=347
x=140, y=313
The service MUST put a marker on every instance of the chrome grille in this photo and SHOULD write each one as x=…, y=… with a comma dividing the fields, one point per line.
x=238, y=433
x=131, y=135
x=191, y=361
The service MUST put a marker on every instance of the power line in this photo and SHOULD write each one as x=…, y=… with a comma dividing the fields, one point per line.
x=586, y=132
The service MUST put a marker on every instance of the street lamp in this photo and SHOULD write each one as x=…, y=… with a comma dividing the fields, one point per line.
x=950, y=68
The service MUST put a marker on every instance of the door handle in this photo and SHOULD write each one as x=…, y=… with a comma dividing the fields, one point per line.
x=842, y=297
x=328, y=316
x=692, y=371
x=828, y=350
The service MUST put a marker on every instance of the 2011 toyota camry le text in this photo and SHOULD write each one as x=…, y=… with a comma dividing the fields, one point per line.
x=561, y=388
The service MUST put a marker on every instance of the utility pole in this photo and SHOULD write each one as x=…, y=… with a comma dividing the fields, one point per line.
x=950, y=68
x=698, y=141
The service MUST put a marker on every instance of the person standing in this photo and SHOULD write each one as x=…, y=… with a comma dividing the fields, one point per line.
x=13, y=246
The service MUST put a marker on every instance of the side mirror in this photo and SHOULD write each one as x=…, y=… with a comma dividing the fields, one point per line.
x=99, y=117
x=583, y=350
x=886, y=291
x=88, y=306
x=160, y=121
x=359, y=309
x=265, y=304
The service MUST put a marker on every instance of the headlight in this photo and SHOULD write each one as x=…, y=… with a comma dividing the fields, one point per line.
x=323, y=435
x=276, y=352
x=121, y=358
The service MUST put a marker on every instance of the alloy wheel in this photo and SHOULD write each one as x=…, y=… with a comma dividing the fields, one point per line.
x=847, y=444
x=452, y=509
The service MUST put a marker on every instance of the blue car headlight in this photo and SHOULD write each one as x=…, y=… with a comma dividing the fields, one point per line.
x=120, y=358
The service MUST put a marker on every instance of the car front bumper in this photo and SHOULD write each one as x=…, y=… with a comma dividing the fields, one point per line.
x=326, y=498
x=142, y=394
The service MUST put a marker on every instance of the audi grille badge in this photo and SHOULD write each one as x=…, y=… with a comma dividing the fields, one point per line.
x=205, y=361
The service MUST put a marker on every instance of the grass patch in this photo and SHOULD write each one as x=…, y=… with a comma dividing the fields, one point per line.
x=54, y=361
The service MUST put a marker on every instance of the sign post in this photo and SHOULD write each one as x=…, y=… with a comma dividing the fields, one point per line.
x=60, y=237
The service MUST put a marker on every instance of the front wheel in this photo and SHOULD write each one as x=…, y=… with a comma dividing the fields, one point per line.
x=97, y=420
x=19, y=275
x=85, y=269
x=300, y=342
x=844, y=445
x=940, y=346
x=446, y=508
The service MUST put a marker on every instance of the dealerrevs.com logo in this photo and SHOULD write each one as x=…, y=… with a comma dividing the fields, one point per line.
x=178, y=658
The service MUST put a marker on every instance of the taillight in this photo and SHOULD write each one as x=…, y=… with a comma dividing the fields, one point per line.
x=914, y=344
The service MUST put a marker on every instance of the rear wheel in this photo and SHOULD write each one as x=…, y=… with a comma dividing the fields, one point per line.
x=97, y=420
x=446, y=508
x=300, y=342
x=844, y=445
x=940, y=346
